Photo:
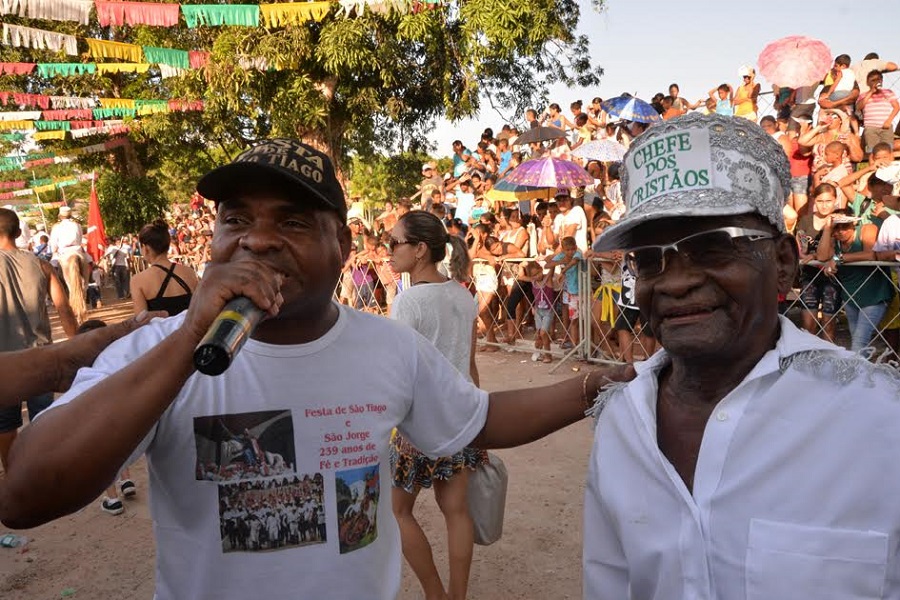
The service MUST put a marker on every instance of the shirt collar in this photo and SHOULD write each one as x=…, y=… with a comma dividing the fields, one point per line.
x=791, y=340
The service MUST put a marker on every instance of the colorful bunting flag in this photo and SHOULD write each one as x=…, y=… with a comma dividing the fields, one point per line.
x=196, y=15
x=119, y=50
x=137, y=13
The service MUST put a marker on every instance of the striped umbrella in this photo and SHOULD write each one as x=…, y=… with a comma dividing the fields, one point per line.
x=629, y=108
x=549, y=172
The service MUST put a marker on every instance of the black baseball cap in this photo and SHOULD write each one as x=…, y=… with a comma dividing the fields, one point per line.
x=295, y=168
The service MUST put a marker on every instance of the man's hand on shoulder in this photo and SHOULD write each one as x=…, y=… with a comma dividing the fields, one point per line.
x=81, y=350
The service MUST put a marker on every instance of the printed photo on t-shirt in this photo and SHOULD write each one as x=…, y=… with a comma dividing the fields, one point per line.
x=244, y=446
x=272, y=514
x=357, y=504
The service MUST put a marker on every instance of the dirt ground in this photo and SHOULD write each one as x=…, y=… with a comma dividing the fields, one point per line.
x=94, y=555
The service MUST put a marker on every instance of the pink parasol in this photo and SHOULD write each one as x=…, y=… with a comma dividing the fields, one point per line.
x=795, y=61
x=549, y=172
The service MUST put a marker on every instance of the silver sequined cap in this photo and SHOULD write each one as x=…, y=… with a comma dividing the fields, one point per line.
x=699, y=165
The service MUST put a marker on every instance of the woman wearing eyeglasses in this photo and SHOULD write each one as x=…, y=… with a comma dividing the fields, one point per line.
x=443, y=311
x=866, y=290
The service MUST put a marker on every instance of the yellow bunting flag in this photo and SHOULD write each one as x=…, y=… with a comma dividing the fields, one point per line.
x=10, y=125
x=50, y=135
x=104, y=49
x=104, y=68
x=293, y=13
x=116, y=103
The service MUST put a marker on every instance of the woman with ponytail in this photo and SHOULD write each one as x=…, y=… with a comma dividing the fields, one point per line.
x=163, y=285
x=443, y=311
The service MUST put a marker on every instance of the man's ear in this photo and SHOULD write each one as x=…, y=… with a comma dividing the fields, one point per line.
x=787, y=256
x=345, y=240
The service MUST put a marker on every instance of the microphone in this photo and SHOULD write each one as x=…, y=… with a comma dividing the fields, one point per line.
x=226, y=336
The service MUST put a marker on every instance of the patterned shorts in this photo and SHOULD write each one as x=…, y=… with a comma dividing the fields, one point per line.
x=412, y=470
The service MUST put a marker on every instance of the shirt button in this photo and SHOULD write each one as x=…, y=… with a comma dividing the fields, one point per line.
x=722, y=415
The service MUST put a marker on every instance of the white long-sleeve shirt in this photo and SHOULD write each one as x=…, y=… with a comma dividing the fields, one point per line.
x=65, y=238
x=796, y=490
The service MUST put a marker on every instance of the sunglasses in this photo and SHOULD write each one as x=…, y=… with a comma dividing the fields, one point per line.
x=707, y=249
x=392, y=244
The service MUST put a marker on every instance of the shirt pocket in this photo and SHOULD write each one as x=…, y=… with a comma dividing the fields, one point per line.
x=786, y=561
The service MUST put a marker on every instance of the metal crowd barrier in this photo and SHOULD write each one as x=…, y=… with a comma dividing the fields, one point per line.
x=883, y=345
x=372, y=291
x=599, y=311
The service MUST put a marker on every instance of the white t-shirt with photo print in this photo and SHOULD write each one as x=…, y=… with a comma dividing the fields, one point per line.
x=286, y=426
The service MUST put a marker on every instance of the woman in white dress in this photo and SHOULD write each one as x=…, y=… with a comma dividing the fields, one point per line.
x=442, y=310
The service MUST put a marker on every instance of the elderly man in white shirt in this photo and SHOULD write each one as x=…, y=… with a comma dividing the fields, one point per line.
x=748, y=460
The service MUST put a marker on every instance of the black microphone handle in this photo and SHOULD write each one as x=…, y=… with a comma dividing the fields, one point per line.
x=226, y=336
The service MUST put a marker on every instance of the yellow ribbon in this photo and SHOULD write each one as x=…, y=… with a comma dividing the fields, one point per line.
x=606, y=294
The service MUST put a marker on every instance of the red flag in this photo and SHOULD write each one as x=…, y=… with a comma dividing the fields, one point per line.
x=96, y=233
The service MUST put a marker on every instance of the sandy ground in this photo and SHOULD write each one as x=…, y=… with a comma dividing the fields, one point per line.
x=94, y=555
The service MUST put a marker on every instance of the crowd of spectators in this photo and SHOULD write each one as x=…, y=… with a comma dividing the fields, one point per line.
x=839, y=138
x=839, y=133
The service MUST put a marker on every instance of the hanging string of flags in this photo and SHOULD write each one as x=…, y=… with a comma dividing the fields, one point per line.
x=23, y=100
x=45, y=187
x=39, y=39
x=37, y=159
x=116, y=12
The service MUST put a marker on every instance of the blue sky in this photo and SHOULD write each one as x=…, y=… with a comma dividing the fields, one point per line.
x=644, y=45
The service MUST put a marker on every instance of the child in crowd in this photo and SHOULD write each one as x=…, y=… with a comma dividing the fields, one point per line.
x=722, y=96
x=348, y=290
x=584, y=132
x=94, y=287
x=569, y=260
x=364, y=276
x=542, y=288
x=834, y=170
x=386, y=275
x=124, y=487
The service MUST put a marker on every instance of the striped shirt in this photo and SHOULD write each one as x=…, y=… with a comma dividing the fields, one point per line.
x=878, y=108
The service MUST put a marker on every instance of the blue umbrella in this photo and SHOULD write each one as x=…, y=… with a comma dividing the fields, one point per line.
x=629, y=108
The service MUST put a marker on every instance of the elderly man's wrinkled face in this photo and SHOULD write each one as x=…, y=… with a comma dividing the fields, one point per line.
x=715, y=301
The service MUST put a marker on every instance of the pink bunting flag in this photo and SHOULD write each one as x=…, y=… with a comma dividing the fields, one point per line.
x=31, y=100
x=12, y=68
x=185, y=105
x=37, y=163
x=198, y=58
x=137, y=13
x=65, y=115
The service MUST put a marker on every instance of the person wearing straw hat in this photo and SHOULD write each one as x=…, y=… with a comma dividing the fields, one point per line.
x=730, y=468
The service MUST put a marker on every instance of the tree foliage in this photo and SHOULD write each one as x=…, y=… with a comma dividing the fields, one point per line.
x=128, y=203
x=355, y=85
x=379, y=178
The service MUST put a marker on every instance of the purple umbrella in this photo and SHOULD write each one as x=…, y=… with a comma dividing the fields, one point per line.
x=549, y=172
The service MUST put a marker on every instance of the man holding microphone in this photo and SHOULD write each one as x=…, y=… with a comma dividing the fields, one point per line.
x=319, y=386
